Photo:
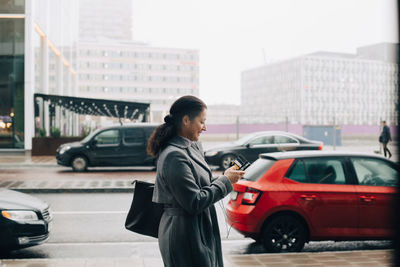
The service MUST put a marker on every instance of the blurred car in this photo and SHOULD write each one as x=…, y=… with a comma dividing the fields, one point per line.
x=111, y=146
x=250, y=146
x=287, y=199
x=24, y=220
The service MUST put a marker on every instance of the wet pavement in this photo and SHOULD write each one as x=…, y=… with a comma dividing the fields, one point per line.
x=375, y=258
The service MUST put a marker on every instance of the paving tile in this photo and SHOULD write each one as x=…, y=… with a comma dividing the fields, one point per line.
x=353, y=254
x=41, y=264
x=371, y=264
x=70, y=263
x=303, y=261
x=335, y=263
x=137, y=262
x=152, y=263
x=272, y=260
x=6, y=263
x=324, y=257
x=277, y=264
x=296, y=256
x=99, y=263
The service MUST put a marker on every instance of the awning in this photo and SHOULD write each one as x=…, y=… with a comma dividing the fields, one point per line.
x=98, y=107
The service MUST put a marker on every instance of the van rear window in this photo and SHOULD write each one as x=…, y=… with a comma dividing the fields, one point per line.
x=258, y=169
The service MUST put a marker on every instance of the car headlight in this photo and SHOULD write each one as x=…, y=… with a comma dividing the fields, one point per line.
x=20, y=215
x=211, y=153
x=63, y=149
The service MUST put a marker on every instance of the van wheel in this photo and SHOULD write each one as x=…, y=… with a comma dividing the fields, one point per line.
x=284, y=233
x=79, y=163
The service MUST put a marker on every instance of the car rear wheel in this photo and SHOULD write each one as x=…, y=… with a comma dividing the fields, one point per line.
x=284, y=233
x=226, y=161
x=79, y=163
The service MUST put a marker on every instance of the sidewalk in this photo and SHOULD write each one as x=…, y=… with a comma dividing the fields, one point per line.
x=374, y=258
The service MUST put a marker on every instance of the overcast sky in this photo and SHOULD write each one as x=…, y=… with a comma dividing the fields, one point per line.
x=235, y=35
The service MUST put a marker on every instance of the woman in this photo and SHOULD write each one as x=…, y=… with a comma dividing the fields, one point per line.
x=188, y=234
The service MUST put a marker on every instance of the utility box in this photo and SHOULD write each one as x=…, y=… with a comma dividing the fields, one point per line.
x=324, y=133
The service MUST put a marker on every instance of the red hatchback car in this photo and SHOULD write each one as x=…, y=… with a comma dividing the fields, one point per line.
x=287, y=199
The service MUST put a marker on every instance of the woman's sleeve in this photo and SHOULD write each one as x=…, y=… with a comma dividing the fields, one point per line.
x=182, y=183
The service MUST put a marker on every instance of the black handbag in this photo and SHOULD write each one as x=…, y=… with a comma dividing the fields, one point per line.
x=144, y=215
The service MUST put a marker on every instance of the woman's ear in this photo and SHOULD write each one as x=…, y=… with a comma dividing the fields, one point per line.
x=185, y=120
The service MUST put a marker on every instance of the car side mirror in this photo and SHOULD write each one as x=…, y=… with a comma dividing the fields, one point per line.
x=248, y=145
x=94, y=142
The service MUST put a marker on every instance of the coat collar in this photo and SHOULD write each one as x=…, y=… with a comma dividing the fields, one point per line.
x=195, y=153
x=180, y=142
x=192, y=149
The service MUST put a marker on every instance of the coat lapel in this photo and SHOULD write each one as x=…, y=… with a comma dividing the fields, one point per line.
x=193, y=151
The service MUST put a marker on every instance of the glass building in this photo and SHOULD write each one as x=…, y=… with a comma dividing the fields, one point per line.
x=37, y=55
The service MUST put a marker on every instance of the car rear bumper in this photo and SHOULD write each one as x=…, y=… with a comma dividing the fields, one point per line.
x=242, y=222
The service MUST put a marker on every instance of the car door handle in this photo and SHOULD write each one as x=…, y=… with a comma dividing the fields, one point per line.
x=367, y=199
x=308, y=197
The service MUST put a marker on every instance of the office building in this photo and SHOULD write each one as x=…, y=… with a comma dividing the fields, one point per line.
x=33, y=34
x=137, y=72
x=324, y=88
x=105, y=19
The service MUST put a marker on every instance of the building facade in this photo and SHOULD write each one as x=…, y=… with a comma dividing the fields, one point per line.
x=324, y=88
x=33, y=34
x=105, y=19
x=136, y=72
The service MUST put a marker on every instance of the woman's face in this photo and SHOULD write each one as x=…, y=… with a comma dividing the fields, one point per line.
x=191, y=129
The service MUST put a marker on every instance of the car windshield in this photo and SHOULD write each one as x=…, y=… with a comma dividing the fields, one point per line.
x=258, y=169
x=87, y=138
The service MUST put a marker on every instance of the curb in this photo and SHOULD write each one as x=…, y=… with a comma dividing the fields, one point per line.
x=73, y=190
x=27, y=165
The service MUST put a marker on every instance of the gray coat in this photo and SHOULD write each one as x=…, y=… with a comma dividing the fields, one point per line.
x=188, y=234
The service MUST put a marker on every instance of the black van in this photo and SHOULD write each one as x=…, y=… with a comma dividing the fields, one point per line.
x=111, y=146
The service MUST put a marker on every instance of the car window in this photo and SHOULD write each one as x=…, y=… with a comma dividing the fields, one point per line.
x=108, y=137
x=258, y=169
x=281, y=139
x=374, y=172
x=258, y=141
x=133, y=136
x=318, y=171
x=298, y=172
x=263, y=140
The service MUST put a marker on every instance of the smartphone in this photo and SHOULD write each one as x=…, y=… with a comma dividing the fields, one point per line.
x=240, y=163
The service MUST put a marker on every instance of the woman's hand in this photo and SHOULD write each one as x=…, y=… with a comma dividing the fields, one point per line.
x=233, y=175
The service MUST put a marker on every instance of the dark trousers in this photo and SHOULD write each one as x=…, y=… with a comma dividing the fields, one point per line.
x=385, y=149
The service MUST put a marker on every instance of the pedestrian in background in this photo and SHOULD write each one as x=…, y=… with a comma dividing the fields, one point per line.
x=384, y=138
x=188, y=234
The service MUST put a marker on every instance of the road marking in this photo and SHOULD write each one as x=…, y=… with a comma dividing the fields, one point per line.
x=87, y=212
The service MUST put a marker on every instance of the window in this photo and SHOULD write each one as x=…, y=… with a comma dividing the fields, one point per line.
x=134, y=137
x=258, y=169
x=298, y=172
x=109, y=137
x=318, y=171
x=263, y=140
x=374, y=172
x=257, y=141
x=281, y=139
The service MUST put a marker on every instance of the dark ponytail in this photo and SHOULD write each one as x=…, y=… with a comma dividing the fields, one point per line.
x=186, y=105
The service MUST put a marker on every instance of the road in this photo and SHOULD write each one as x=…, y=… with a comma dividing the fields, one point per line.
x=91, y=225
